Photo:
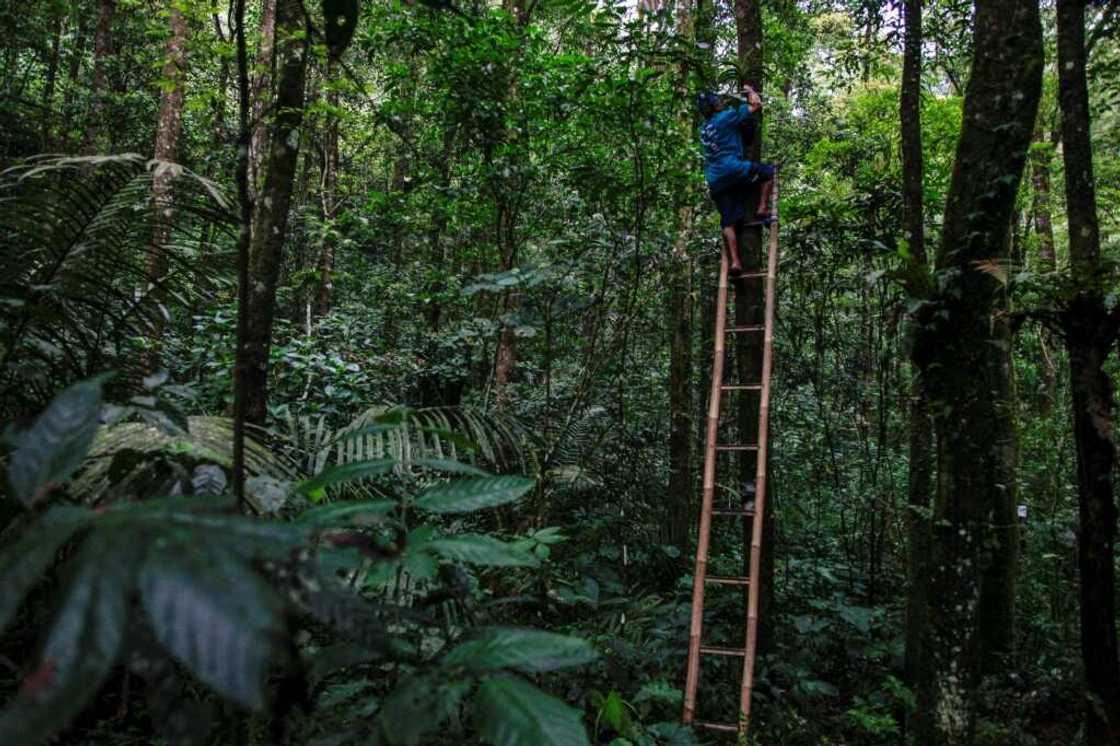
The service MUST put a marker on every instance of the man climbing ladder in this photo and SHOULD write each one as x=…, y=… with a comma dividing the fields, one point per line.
x=729, y=176
x=750, y=507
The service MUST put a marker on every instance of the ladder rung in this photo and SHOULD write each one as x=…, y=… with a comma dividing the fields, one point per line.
x=713, y=650
x=741, y=387
x=750, y=276
x=748, y=328
x=725, y=727
x=744, y=513
x=724, y=580
x=737, y=447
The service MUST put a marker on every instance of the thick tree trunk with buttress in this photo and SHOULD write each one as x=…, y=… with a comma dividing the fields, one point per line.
x=102, y=48
x=1090, y=334
x=749, y=309
x=270, y=223
x=954, y=347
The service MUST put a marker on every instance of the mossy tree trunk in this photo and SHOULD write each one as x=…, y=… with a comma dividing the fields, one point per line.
x=956, y=349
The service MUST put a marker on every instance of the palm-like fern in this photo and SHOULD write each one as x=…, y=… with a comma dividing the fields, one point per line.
x=74, y=285
x=386, y=432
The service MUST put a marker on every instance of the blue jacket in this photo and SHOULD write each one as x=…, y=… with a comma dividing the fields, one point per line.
x=723, y=146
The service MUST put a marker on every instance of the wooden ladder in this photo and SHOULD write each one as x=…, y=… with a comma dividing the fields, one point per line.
x=755, y=513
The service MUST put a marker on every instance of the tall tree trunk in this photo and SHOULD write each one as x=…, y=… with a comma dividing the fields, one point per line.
x=168, y=129
x=953, y=349
x=218, y=111
x=329, y=200
x=58, y=20
x=1000, y=557
x=261, y=95
x=270, y=223
x=680, y=339
x=73, y=69
x=506, y=234
x=102, y=48
x=749, y=310
x=1042, y=153
x=920, y=478
x=1090, y=333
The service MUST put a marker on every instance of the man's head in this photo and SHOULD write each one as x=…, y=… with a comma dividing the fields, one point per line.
x=708, y=103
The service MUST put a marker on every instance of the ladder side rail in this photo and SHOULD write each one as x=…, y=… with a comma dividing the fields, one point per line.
x=760, y=474
x=697, y=622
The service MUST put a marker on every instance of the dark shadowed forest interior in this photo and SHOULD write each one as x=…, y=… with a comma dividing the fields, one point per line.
x=382, y=372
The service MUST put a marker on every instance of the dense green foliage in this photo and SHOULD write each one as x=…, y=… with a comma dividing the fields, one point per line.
x=436, y=547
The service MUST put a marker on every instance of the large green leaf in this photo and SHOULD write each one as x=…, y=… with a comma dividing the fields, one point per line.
x=527, y=650
x=347, y=513
x=417, y=707
x=246, y=537
x=465, y=495
x=82, y=646
x=513, y=712
x=351, y=472
x=214, y=613
x=25, y=561
x=479, y=549
x=53, y=448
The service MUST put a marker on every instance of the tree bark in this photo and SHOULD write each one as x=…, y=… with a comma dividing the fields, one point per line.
x=169, y=127
x=218, y=109
x=680, y=339
x=58, y=20
x=270, y=223
x=102, y=48
x=1090, y=333
x=954, y=344
x=750, y=310
x=329, y=201
x=261, y=95
x=506, y=233
x=920, y=476
x=1042, y=153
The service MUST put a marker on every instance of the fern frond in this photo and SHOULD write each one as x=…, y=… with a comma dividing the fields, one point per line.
x=74, y=276
x=497, y=439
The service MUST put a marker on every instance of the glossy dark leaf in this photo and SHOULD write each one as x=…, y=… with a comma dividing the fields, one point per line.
x=53, y=448
x=214, y=614
x=527, y=650
x=466, y=495
x=82, y=646
x=23, y=563
x=479, y=549
x=417, y=707
x=512, y=712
